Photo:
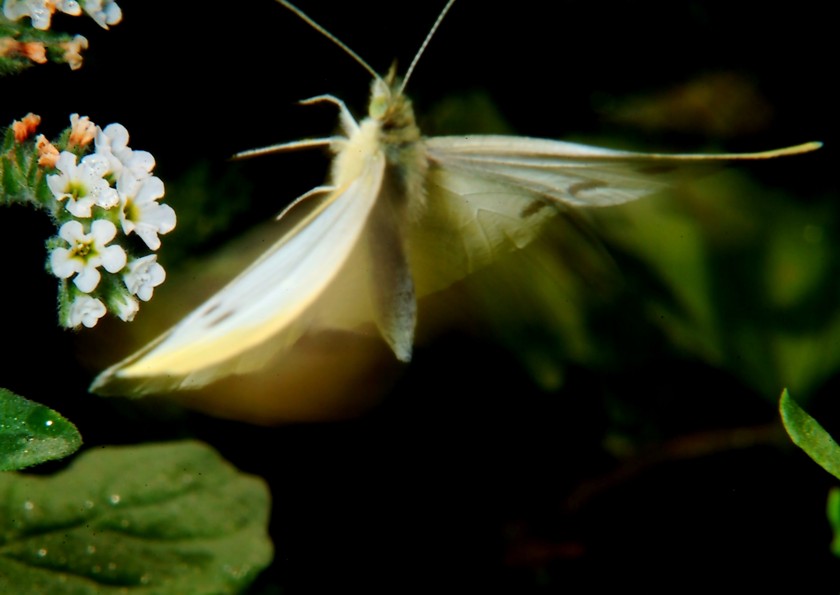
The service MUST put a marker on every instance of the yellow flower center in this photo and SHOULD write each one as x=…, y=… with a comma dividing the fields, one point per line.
x=75, y=190
x=82, y=250
x=132, y=213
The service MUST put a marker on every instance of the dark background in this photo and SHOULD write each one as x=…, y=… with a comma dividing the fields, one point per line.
x=463, y=477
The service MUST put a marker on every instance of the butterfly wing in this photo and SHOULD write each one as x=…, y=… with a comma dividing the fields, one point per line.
x=274, y=300
x=487, y=195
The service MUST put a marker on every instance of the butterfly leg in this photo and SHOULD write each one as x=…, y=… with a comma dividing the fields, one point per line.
x=348, y=122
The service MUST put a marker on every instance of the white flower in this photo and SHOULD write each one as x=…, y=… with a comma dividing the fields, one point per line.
x=68, y=7
x=81, y=184
x=126, y=307
x=87, y=253
x=141, y=213
x=39, y=11
x=104, y=12
x=143, y=275
x=99, y=168
x=36, y=10
x=85, y=310
x=112, y=144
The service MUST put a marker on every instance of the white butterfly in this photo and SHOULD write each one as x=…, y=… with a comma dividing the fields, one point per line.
x=402, y=216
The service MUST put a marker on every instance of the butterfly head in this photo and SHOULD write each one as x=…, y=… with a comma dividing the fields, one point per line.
x=392, y=109
x=381, y=97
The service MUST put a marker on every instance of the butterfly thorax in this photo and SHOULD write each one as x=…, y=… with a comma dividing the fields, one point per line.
x=400, y=140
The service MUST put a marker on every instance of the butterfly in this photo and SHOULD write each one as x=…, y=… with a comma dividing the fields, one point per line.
x=402, y=216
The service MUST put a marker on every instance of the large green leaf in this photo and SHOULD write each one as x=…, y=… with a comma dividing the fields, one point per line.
x=809, y=435
x=162, y=518
x=31, y=433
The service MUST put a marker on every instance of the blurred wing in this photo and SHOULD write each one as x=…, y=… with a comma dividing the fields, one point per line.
x=271, y=300
x=488, y=195
x=573, y=174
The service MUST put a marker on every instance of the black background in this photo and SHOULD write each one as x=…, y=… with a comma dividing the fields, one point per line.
x=460, y=480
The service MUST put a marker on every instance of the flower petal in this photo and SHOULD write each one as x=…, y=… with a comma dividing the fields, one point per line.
x=113, y=258
x=71, y=232
x=150, y=190
x=80, y=207
x=62, y=264
x=85, y=310
x=103, y=231
x=143, y=275
x=87, y=279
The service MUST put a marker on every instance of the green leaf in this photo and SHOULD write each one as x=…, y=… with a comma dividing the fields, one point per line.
x=31, y=433
x=161, y=518
x=809, y=435
x=833, y=514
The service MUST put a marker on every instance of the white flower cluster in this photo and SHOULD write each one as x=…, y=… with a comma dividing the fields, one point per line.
x=104, y=12
x=109, y=187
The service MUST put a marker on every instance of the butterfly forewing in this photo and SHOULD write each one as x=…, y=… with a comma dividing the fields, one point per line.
x=488, y=195
x=272, y=300
x=574, y=174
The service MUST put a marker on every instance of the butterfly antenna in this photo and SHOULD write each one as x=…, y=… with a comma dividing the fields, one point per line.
x=332, y=37
x=425, y=43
